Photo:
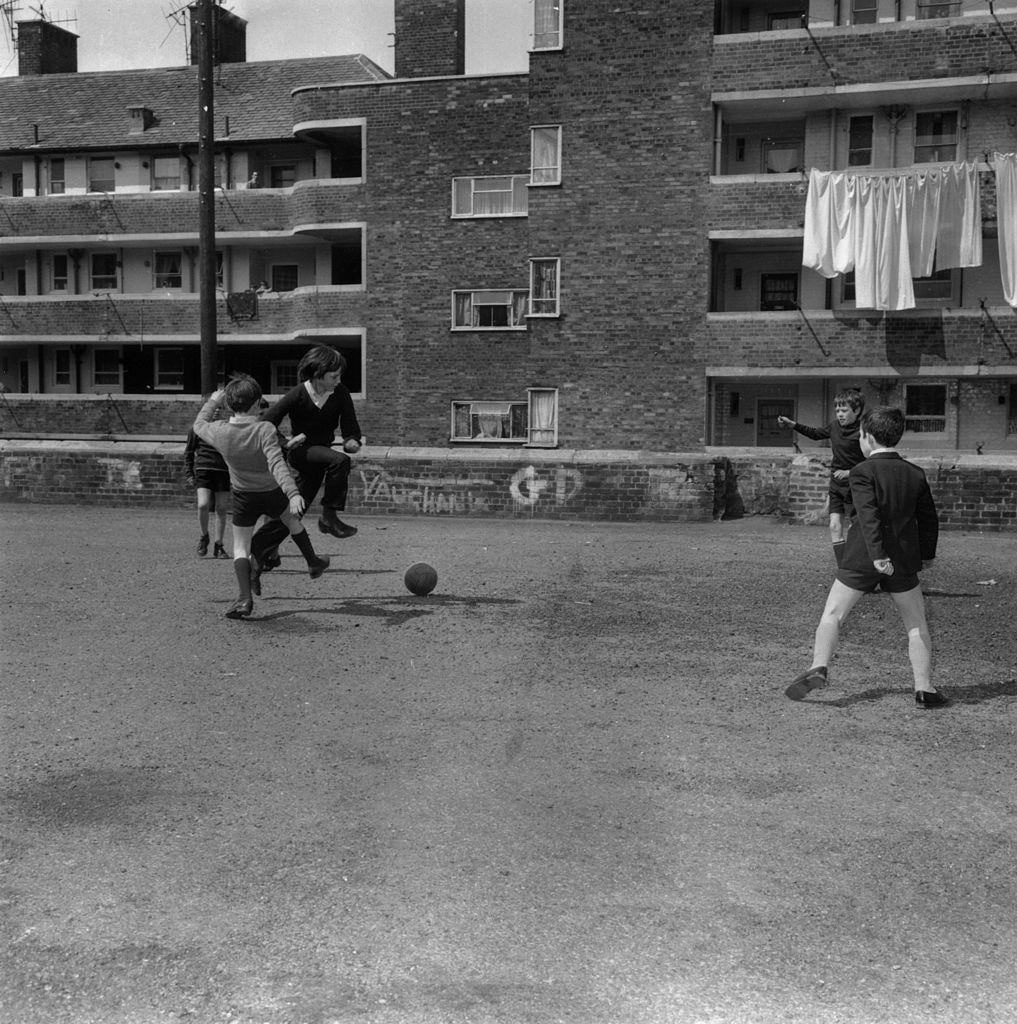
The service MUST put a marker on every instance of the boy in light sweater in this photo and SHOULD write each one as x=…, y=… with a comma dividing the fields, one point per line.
x=259, y=478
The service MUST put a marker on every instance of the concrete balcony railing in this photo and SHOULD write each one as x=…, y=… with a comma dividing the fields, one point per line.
x=112, y=317
x=76, y=219
x=825, y=58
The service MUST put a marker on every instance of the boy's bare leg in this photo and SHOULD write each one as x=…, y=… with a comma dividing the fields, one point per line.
x=839, y=603
x=221, y=502
x=204, y=499
x=911, y=605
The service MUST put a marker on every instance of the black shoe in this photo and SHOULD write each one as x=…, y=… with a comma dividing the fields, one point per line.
x=331, y=523
x=318, y=566
x=218, y=551
x=807, y=681
x=270, y=561
x=242, y=607
x=203, y=545
x=930, y=699
x=256, y=572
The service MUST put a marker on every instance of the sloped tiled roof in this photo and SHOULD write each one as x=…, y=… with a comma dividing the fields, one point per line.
x=89, y=109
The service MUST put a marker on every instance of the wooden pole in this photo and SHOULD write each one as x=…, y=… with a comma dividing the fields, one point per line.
x=206, y=197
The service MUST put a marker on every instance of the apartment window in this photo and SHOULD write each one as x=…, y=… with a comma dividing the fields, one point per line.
x=780, y=20
x=860, y=141
x=925, y=408
x=489, y=310
x=168, y=270
x=782, y=156
x=547, y=24
x=533, y=422
x=60, y=275
x=926, y=9
x=57, y=181
x=283, y=374
x=864, y=12
x=545, y=155
x=935, y=136
x=169, y=369
x=285, y=277
x=104, y=266
x=166, y=174
x=62, y=368
x=17, y=184
x=282, y=176
x=101, y=174
x=778, y=292
x=106, y=372
x=348, y=151
x=938, y=287
x=495, y=196
x=545, y=281
x=1011, y=420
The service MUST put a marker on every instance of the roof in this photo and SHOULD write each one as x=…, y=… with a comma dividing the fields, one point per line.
x=89, y=109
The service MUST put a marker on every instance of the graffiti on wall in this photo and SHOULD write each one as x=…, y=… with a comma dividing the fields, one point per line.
x=425, y=495
x=122, y=473
x=529, y=485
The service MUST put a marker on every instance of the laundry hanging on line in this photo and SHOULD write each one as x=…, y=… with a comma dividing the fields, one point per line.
x=1004, y=166
x=891, y=227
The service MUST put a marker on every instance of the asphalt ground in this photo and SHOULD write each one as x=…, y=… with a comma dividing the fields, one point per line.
x=566, y=786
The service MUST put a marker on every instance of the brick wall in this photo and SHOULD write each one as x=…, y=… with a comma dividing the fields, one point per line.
x=972, y=493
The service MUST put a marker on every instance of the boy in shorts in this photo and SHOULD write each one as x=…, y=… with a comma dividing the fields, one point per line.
x=259, y=477
x=208, y=475
x=896, y=529
x=842, y=433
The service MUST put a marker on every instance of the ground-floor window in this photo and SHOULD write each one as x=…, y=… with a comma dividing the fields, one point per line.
x=533, y=421
x=925, y=408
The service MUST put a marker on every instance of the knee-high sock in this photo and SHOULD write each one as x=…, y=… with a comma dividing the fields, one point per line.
x=303, y=542
x=242, y=567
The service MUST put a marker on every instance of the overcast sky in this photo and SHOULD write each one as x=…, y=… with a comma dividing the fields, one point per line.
x=117, y=34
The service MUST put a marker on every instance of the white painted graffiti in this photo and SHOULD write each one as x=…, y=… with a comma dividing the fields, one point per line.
x=529, y=485
x=428, y=496
x=122, y=473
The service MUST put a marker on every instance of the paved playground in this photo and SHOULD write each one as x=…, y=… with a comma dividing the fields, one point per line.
x=565, y=787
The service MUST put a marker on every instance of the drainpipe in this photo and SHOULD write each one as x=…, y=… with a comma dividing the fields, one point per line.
x=718, y=141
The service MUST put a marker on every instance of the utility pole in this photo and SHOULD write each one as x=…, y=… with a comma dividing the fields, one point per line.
x=206, y=196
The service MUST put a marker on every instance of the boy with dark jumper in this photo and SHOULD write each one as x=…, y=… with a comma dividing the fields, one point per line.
x=842, y=433
x=896, y=529
x=261, y=481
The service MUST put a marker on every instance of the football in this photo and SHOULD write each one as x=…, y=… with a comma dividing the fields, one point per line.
x=420, y=579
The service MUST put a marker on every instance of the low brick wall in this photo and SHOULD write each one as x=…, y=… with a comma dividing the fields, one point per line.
x=972, y=492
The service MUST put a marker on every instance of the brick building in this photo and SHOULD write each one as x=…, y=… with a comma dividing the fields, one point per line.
x=602, y=253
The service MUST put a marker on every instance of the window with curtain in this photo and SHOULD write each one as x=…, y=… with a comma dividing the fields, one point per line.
x=166, y=174
x=57, y=181
x=101, y=174
x=927, y=9
x=168, y=270
x=489, y=421
x=547, y=24
x=285, y=277
x=543, y=417
x=489, y=310
x=544, y=286
x=778, y=292
x=935, y=136
x=494, y=196
x=545, y=155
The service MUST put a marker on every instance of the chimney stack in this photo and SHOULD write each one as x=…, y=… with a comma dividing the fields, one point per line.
x=430, y=38
x=229, y=36
x=46, y=49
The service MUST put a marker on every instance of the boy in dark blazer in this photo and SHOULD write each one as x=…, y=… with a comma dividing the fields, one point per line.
x=896, y=529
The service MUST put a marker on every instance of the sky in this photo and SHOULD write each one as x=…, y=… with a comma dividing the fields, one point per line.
x=119, y=34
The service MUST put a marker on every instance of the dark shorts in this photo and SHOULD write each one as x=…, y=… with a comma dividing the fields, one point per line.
x=215, y=480
x=840, y=497
x=867, y=581
x=250, y=506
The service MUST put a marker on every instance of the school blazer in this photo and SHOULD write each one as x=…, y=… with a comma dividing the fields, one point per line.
x=895, y=515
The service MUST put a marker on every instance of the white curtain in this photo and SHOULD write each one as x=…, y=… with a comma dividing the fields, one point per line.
x=892, y=227
x=1005, y=166
x=543, y=409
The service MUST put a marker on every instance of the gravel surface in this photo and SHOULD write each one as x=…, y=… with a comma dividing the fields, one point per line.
x=566, y=786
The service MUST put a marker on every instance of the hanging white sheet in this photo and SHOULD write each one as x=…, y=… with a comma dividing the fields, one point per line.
x=1005, y=166
x=892, y=227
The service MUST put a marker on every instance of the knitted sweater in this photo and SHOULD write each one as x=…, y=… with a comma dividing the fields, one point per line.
x=319, y=425
x=251, y=449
